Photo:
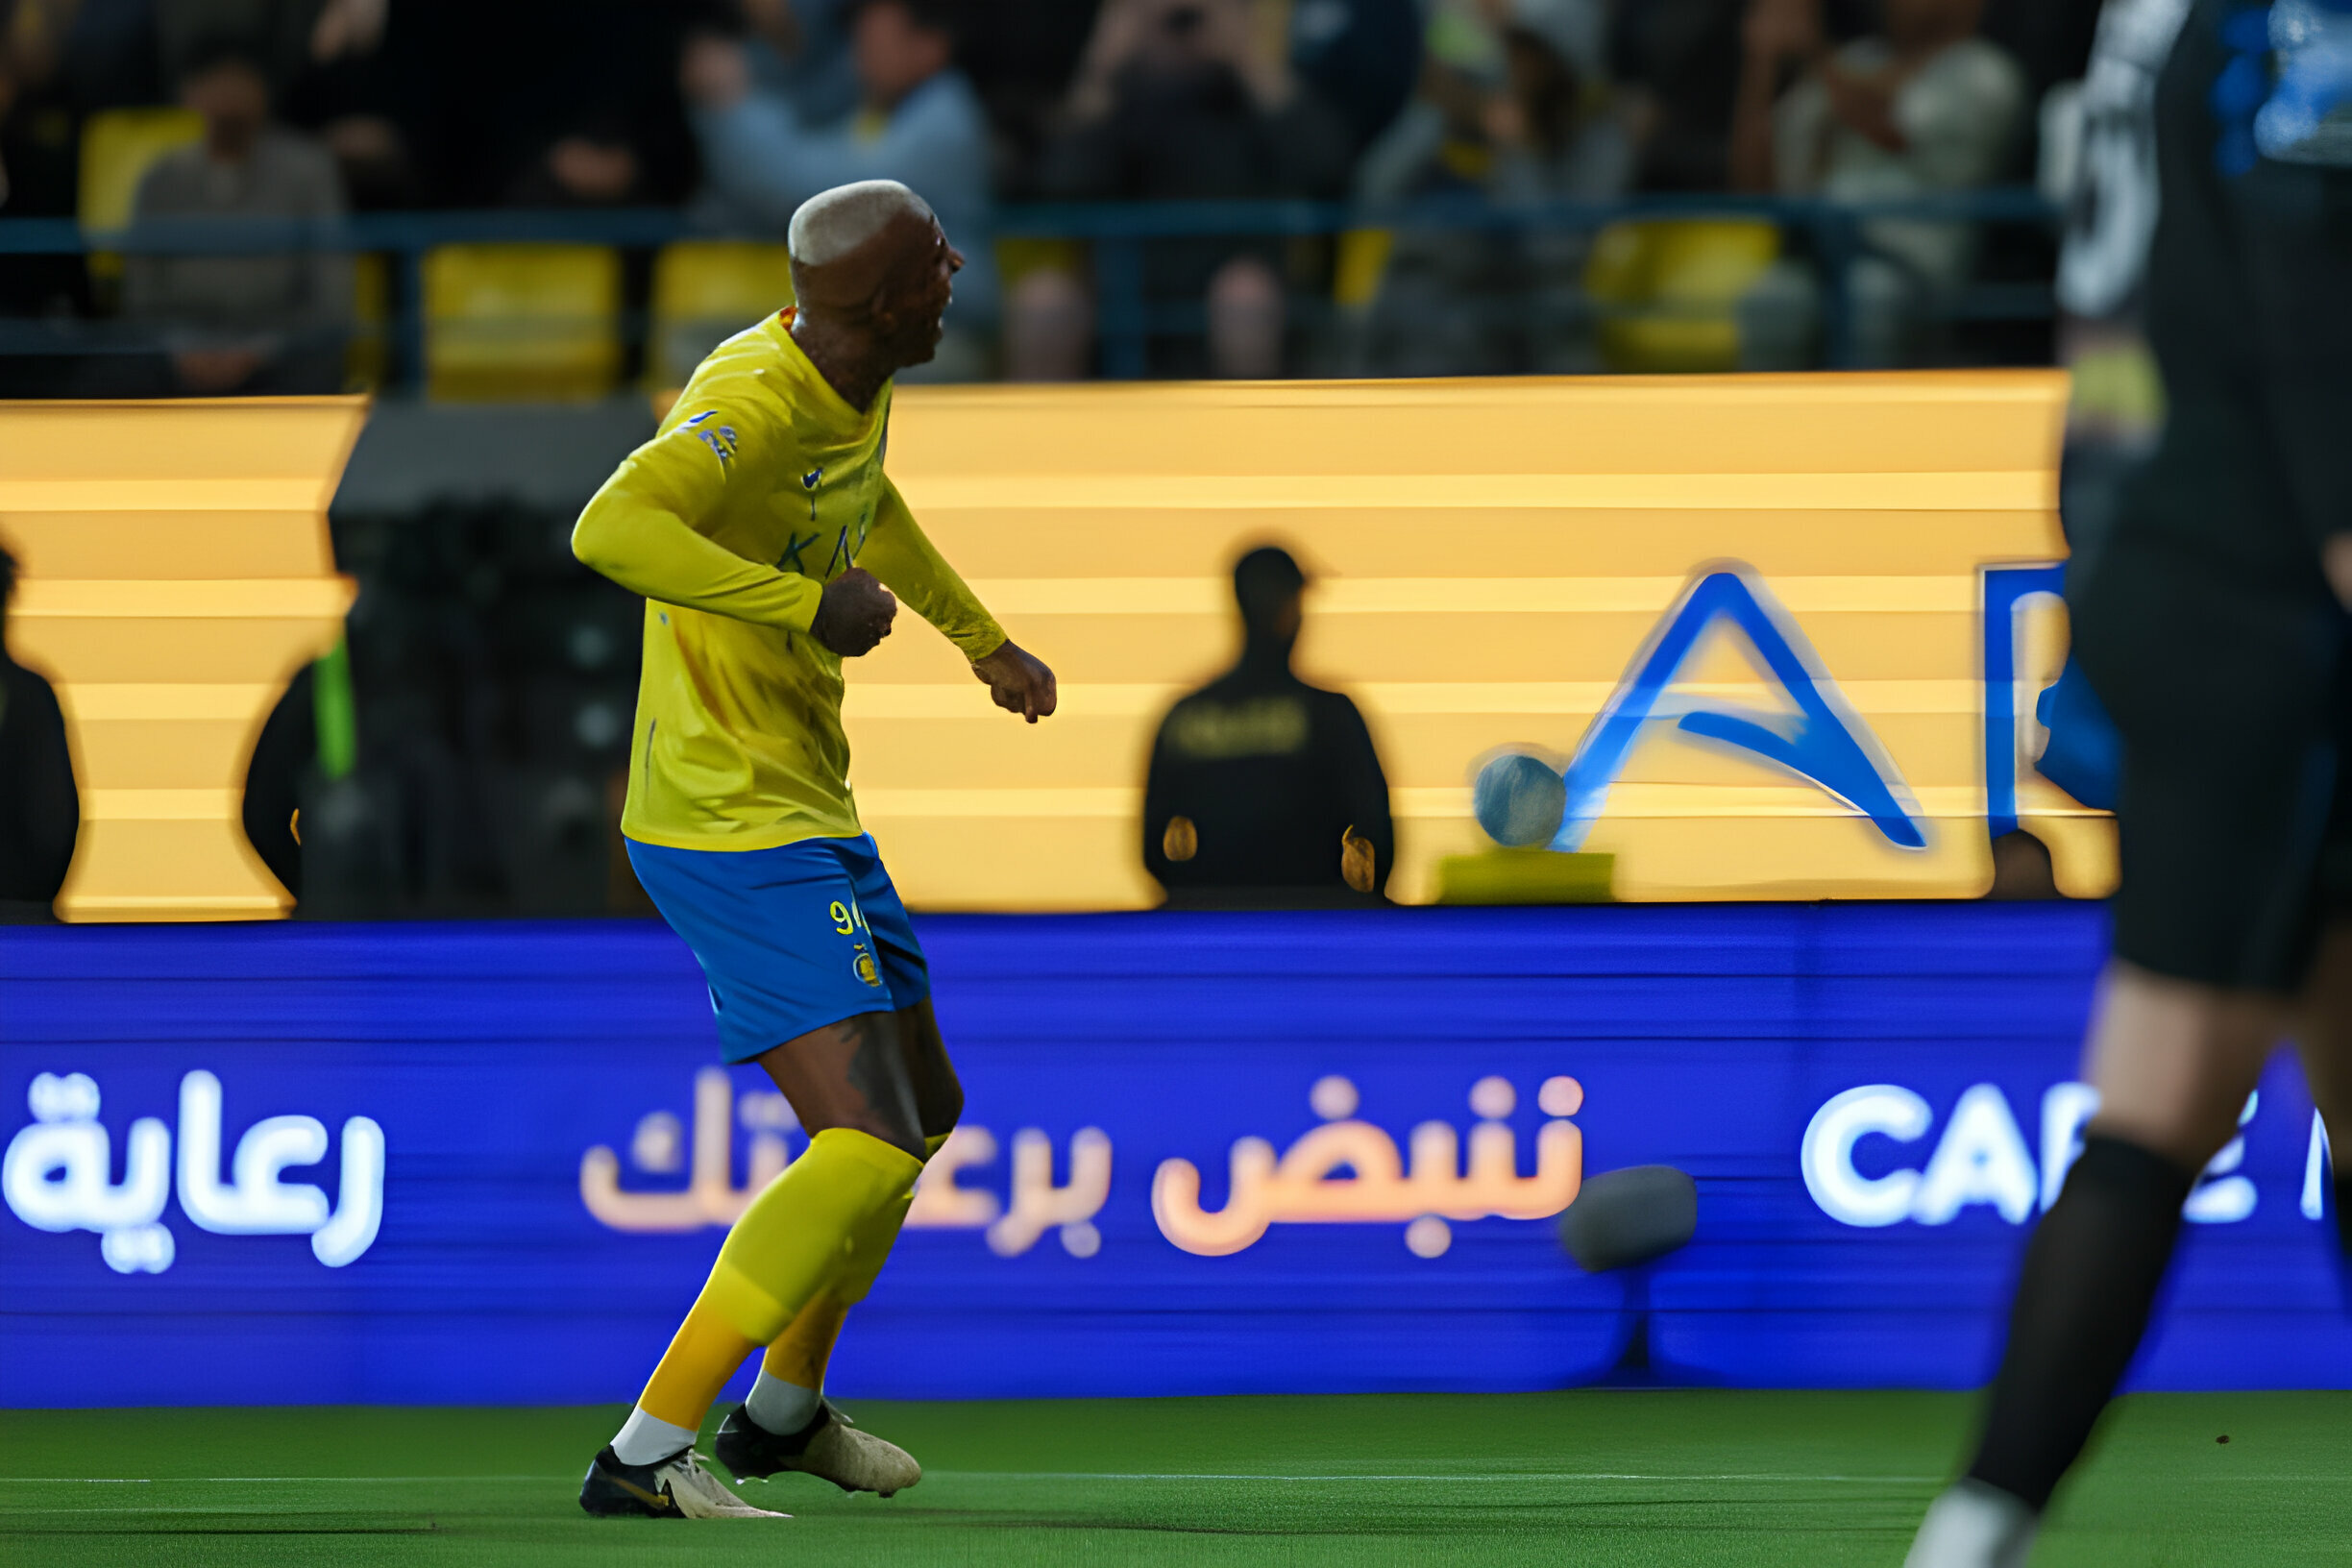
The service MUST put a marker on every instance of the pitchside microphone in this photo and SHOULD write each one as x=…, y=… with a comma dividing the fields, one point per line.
x=1635, y=1215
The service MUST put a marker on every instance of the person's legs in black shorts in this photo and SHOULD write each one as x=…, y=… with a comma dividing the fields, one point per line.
x=2234, y=817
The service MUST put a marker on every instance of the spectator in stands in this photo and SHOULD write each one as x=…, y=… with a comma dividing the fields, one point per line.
x=363, y=88
x=799, y=49
x=38, y=177
x=1023, y=63
x=1361, y=56
x=37, y=140
x=1261, y=786
x=1511, y=108
x=110, y=56
x=1925, y=106
x=244, y=323
x=1182, y=100
x=277, y=35
x=921, y=123
x=521, y=103
x=1680, y=61
x=2050, y=39
x=547, y=102
x=40, y=812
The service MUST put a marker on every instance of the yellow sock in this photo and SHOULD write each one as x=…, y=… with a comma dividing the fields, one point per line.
x=799, y=1354
x=828, y=1219
x=702, y=1355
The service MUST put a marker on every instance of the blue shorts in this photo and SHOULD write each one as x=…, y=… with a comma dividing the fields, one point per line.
x=789, y=938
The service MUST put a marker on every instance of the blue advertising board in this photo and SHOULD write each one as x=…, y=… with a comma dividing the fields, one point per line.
x=1202, y=1153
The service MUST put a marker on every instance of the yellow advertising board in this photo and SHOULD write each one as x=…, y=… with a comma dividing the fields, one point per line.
x=1781, y=634
x=1498, y=563
x=177, y=575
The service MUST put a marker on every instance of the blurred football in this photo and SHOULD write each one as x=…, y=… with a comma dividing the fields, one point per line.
x=1630, y=1216
x=1520, y=800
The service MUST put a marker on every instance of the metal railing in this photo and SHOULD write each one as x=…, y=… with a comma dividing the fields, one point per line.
x=1117, y=236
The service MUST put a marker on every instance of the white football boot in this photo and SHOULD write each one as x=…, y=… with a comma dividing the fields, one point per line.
x=830, y=1448
x=677, y=1487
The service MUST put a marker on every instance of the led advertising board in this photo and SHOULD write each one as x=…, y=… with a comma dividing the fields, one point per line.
x=177, y=574
x=1769, y=622
x=1202, y=1154
x=1786, y=632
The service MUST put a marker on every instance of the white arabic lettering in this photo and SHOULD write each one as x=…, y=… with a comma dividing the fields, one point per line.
x=255, y=1201
x=54, y=1176
x=1980, y=1159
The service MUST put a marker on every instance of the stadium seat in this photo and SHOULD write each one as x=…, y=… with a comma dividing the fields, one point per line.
x=366, y=355
x=522, y=323
x=1020, y=255
x=705, y=291
x=1363, y=257
x=118, y=145
x=1666, y=289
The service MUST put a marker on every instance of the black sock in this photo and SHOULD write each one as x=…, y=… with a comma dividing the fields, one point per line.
x=2091, y=1276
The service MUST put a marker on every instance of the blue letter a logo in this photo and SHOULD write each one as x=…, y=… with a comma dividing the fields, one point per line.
x=1825, y=741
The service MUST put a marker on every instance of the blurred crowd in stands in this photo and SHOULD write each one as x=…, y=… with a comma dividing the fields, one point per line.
x=735, y=110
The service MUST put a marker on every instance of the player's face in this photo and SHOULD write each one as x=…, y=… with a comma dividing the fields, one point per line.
x=926, y=312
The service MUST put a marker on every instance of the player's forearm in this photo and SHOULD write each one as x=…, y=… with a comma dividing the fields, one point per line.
x=957, y=613
x=911, y=567
x=652, y=552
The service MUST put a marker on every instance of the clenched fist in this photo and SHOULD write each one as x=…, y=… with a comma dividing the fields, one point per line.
x=1017, y=682
x=855, y=614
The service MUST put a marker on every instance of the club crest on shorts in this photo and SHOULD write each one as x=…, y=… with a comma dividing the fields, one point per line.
x=866, y=969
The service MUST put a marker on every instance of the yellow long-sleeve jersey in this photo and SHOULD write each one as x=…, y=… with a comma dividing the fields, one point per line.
x=761, y=486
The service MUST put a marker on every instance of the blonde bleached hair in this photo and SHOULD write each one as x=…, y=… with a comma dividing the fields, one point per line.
x=833, y=223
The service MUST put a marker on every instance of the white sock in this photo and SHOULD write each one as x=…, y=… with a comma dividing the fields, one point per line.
x=645, y=1438
x=779, y=1407
x=1974, y=1526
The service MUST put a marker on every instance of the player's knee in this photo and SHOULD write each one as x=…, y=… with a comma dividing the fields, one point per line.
x=938, y=1093
x=2188, y=1138
x=943, y=1108
x=907, y=1138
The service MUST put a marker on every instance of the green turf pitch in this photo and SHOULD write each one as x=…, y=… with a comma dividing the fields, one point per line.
x=1588, y=1478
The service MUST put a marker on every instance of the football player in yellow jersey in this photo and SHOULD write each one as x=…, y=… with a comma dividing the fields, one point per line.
x=770, y=546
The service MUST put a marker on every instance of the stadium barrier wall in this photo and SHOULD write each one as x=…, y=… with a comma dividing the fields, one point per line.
x=441, y=1163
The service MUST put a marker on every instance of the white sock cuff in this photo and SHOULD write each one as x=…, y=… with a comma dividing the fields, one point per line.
x=779, y=1407
x=646, y=1438
x=1973, y=1526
